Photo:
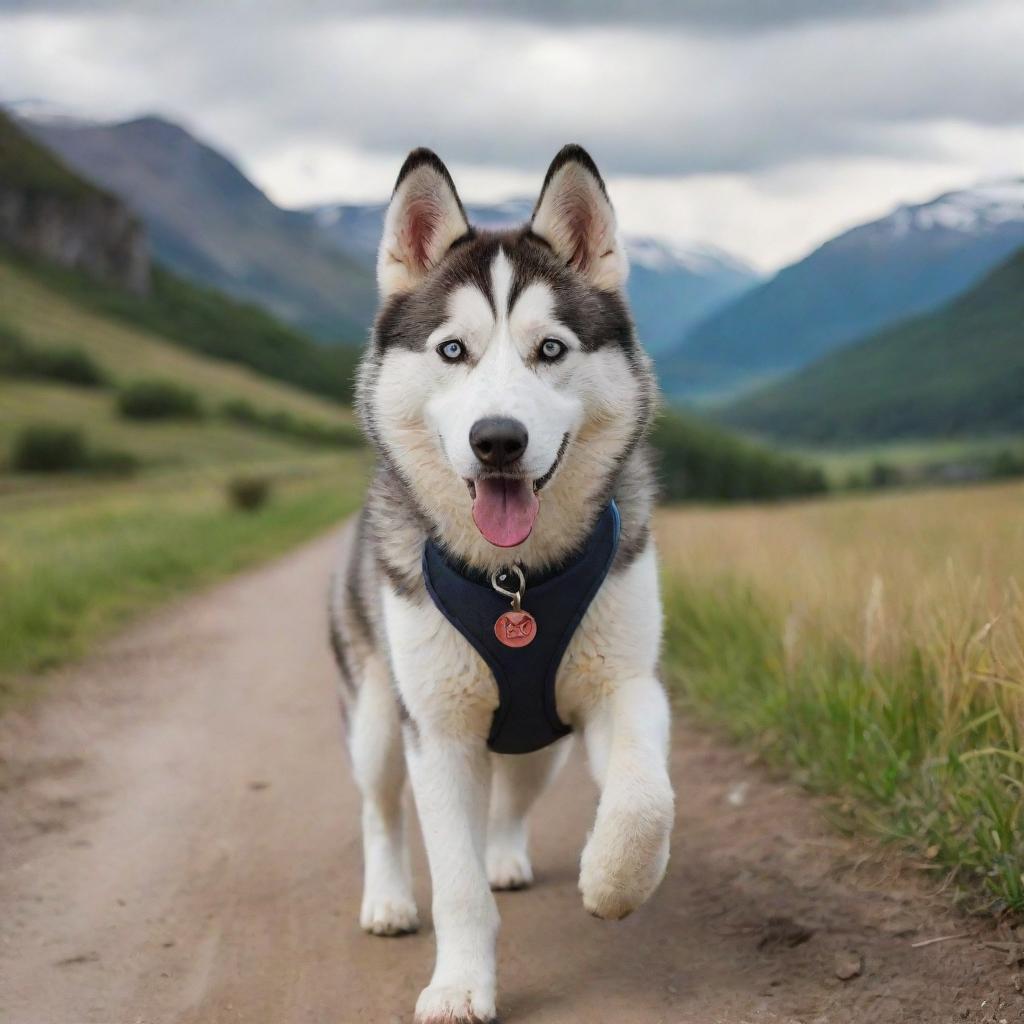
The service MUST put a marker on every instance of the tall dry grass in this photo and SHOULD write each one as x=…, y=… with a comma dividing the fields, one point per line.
x=876, y=646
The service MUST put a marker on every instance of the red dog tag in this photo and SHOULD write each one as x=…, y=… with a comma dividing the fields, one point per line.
x=516, y=629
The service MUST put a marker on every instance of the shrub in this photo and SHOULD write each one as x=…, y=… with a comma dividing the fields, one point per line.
x=12, y=352
x=249, y=493
x=158, y=400
x=1007, y=463
x=50, y=448
x=882, y=474
x=69, y=365
x=44, y=448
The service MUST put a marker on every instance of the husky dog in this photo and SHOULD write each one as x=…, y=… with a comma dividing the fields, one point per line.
x=508, y=401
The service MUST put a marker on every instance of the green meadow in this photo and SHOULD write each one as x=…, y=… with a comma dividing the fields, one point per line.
x=85, y=549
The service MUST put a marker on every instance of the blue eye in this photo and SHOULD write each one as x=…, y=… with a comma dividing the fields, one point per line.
x=452, y=351
x=551, y=350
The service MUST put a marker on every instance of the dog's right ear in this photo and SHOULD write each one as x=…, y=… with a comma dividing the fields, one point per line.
x=423, y=220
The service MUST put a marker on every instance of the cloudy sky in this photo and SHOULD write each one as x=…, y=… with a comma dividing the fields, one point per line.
x=763, y=126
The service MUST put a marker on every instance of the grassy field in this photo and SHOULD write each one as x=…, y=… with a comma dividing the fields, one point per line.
x=76, y=561
x=80, y=552
x=875, y=647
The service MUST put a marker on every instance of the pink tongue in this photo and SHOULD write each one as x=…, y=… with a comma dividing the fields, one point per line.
x=505, y=510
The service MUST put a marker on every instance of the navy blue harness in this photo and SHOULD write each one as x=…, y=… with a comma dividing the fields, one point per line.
x=526, y=718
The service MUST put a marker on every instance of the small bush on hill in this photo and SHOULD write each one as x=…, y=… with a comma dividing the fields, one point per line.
x=44, y=448
x=701, y=462
x=249, y=493
x=158, y=400
x=1008, y=464
x=50, y=448
x=69, y=365
x=287, y=425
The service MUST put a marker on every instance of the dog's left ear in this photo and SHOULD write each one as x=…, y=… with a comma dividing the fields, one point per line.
x=424, y=218
x=575, y=217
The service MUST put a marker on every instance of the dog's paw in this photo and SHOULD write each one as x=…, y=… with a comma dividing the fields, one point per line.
x=508, y=868
x=452, y=1004
x=617, y=877
x=396, y=916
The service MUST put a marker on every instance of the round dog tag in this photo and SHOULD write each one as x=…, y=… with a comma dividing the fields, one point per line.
x=516, y=629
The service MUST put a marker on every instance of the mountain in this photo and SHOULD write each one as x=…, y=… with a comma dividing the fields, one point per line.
x=870, y=277
x=958, y=370
x=82, y=243
x=209, y=223
x=671, y=286
x=48, y=211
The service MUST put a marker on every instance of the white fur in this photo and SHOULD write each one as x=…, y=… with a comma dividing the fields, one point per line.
x=375, y=747
x=516, y=781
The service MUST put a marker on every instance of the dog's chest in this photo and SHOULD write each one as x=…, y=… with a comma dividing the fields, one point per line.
x=444, y=682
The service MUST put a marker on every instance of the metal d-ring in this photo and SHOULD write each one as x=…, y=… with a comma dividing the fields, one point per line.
x=515, y=596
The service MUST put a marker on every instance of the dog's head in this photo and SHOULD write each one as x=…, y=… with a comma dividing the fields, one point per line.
x=504, y=383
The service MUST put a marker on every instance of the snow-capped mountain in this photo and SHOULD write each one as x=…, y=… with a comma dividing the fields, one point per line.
x=671, y=285
x=662, y=255
x=908, y=262
x=974, y=211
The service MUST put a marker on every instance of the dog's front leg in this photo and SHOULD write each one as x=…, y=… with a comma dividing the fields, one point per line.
x=450, y=779
x=627, y=742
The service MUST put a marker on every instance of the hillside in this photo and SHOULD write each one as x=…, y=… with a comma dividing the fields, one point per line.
x=699, y=461
x=47, y=210
x=871, y=277
x=959, y=370
x=206, y=321
x=209, y=223
x=671, y=286
x=39, y=309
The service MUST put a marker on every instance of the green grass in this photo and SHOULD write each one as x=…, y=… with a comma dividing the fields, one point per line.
x=875, y=739
x=77, y=562
x=875, y=651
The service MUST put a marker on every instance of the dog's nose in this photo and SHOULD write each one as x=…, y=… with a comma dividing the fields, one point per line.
x=498, y=441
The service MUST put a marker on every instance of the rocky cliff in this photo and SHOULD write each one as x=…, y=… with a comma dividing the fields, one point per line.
x=48, y=211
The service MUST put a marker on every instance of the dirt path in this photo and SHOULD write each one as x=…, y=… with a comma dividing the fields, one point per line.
x=180, y=844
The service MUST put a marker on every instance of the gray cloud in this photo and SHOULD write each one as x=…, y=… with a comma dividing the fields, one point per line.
x=713, y=15
x=509, y=93
x=738, y=89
